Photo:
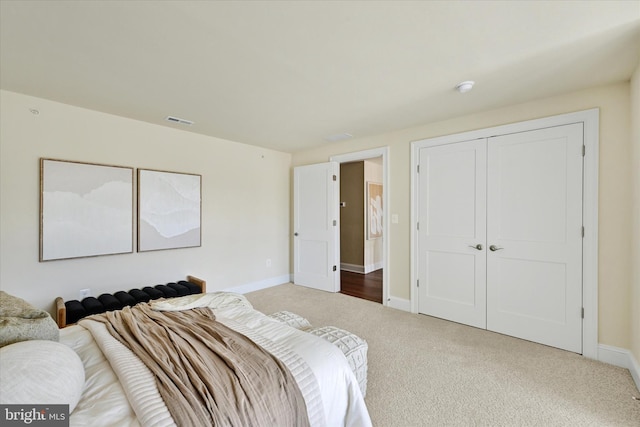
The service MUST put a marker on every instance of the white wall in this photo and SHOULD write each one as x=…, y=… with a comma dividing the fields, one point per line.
x=614, y=222
x=245, y=202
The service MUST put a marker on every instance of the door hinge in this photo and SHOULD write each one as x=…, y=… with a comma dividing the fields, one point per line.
x=418, y=225
x=418, y=282
x=335, y=268
x=335, y=178
x=583, y=231
x=335, y=222
x=583, y=312
x=418, y=169
x=584, y=150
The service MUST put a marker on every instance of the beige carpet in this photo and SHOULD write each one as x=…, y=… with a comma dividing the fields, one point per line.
x=425, y=371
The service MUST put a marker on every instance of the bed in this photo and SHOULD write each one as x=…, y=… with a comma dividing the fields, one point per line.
x=119, y=389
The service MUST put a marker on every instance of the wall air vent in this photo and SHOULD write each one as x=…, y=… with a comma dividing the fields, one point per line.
x=179, y=120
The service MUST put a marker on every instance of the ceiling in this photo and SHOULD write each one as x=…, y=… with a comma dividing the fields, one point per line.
x=287, y=74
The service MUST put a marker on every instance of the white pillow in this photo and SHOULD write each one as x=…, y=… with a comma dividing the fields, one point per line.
x=40, y=373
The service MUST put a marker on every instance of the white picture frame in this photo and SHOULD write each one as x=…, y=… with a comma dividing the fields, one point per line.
x=86, y=209
x=169, y=210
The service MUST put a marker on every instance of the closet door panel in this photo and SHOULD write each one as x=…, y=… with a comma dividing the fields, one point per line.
x=534, y=224
x=452, y=232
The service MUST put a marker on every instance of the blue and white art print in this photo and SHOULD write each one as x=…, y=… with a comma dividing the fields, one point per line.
x=169, y=210
x=86, y=209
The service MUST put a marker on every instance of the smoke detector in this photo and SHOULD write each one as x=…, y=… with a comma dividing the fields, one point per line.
x=466, y=86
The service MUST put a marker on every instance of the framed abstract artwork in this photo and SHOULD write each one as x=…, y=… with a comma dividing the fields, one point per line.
x=86, y=209
x=374, y=210
x=169, y=210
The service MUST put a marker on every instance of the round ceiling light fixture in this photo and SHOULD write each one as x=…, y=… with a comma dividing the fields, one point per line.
x=464, y=87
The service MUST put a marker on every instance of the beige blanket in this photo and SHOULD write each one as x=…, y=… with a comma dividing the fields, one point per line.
x=20, y=321
x=207, y=373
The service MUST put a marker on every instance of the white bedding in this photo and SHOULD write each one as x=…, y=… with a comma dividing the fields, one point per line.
x=103, y=402
x=330, y=388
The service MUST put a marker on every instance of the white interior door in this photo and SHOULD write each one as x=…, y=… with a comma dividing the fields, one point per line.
x=452, y=232
x=534, y=225
x=315, y=215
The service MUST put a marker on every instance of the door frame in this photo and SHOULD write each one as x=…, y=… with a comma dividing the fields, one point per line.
x=365, y=155
x=591, y=125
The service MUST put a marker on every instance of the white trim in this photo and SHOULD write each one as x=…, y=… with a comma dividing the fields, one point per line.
x=373, y=267
x=353, y=268
x=614, y=355
x=590, y=120
x=400, y=304
x=622, y=358
x=261, y=284
x=361, y=269
x=386, y=197
x=634, y=369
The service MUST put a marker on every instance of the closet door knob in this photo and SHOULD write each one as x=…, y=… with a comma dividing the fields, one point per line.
x=494, y=248
x=478, y=247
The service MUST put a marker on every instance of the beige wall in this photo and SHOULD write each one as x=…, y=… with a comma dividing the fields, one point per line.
x=245, y=202
x=635, y=236
x=246, y=199
x=614, y=194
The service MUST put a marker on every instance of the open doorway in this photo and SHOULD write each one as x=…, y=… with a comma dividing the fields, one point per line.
x=361, y=229
x=363, y=224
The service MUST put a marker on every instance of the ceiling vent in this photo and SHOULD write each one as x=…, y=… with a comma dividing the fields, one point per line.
x=179, y=120
x=338, y=137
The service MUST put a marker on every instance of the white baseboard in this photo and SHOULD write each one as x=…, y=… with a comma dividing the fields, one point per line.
x=399, y=303
x=613, y=355
x=373, y=267
x=353, y=268
x=620, y=357
x=635, y=370
x=261, y=284
x=362, y=269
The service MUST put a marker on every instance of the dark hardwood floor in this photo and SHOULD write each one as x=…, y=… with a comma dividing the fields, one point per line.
x=366, y=286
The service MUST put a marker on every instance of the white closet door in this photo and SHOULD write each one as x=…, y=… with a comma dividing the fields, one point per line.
x=452, y=232
x=534, y=273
